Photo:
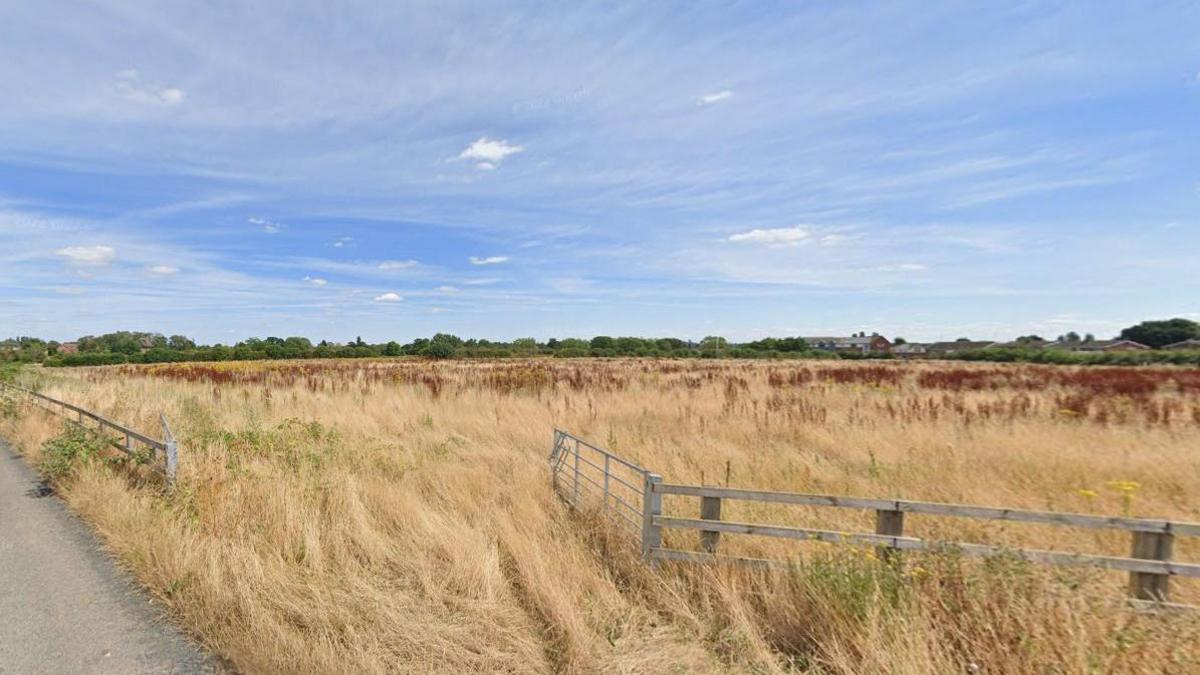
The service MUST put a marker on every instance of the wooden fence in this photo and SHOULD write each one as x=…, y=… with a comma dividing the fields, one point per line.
x=119, y=436
x=1149, y=564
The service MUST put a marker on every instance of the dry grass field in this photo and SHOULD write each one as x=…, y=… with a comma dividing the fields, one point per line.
x=397, y=516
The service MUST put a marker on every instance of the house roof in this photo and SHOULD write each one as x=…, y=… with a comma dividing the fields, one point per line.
x=1192, y=343
x=1096, y=345
x=958, y=345
x=853, y=340
x=1028, y=344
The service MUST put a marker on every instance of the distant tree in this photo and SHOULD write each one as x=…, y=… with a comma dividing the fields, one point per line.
x=1026, y=339
x=1159, y=333
x=525, y=346
x=392, y=349
x=301, y=344
x=899, y=341
x=440, y=349
x=180, y=343
x=602, y=342
x=1070, y=337
x=713, y=345
x=1089, y=338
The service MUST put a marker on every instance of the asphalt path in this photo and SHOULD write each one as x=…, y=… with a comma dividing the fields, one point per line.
x=65, y=606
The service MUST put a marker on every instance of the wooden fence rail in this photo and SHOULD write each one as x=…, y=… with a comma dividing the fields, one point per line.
x=1149, y=564
x=126, y=439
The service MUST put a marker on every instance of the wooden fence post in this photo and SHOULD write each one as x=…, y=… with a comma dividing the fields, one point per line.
x=1150, y=546
x=890, y=523
x=171, y=450
x=651, y=508
x=710, y=509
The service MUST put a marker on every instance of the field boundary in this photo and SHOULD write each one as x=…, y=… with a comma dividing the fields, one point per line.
x=167, y=449
x=583, y=480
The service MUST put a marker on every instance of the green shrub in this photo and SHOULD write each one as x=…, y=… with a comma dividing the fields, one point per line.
x=62, y=454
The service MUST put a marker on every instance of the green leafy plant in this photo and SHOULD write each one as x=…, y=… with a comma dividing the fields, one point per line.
x=65, y=452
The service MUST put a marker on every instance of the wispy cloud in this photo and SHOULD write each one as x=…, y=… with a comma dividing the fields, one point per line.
x=132, y=88
x=715, y=97
x=163, y=270
x=489, y=153
x=88, y=255
x=491, y=260
x=779, y=236
x=267, y=226
x=316, y=281
x=398, y=265
x=902, y=267
x=388, y=297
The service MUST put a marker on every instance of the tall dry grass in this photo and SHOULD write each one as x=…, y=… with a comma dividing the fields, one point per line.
x=398, y=516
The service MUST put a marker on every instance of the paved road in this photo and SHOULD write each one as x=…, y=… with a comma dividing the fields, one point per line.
x=64, y=606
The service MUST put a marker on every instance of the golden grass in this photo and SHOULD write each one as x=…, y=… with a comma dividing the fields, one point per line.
x=398, y=516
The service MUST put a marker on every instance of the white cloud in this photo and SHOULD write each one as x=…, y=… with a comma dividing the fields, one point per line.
x=162, y=270
x=88, y=255
x=489, y=153
x=393, y=265
x=129, y=85
x=780, y=236
x=492, y=260
x=388, y=297
x=448, y=289
x=267, y=226
x=316, y=281
x=902, y=267
x=342, y=241
x=715, y=97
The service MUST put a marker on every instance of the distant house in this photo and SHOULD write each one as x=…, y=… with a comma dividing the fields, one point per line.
x=1022, y=344
x=1098, y=346
x=1192, y=344
x=941, y=349
x=68, y=348
x=855, y=344
x=910, y=350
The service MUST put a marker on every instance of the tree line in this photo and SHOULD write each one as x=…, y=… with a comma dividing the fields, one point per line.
x=142, y=347
x=134, y=347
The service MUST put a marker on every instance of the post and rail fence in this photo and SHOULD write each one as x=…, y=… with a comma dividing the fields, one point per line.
x=126, y=440
x=589, y=476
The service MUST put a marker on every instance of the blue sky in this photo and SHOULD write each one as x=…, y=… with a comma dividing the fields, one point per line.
x=391, y=170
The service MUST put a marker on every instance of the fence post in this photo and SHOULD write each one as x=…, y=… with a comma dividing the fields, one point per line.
x=575, y=486
x=171, y=450
x=554, y=450
x=1150, y=546
x=651, y=508
x=710, y=509
x=606, y=473
x=889, y=523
